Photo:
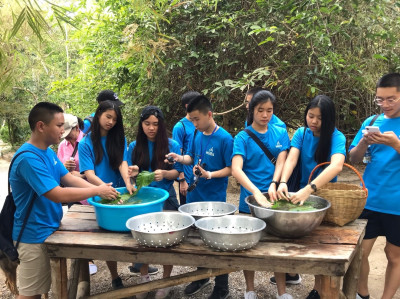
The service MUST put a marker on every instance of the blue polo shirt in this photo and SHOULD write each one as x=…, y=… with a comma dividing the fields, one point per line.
x=256, y=165
x=103, y=170
x=173, y=148
x=381, y=175
x=30, y=175
x=183, y=133
x=307, y=148
x=216, y=152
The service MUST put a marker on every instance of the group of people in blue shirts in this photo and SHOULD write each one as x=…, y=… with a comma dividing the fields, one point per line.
x=202, y=155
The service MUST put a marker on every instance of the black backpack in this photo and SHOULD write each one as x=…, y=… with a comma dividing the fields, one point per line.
x=7, y=219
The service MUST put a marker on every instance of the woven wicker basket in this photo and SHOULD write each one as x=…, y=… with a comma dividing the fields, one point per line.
x=347, y=200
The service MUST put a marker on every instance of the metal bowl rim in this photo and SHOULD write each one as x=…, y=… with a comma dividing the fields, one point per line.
x=263, y=224
x=180, y=209
x=289, y=212
x=166, y=232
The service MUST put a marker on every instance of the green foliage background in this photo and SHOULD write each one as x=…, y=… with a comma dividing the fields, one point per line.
x=150, y=52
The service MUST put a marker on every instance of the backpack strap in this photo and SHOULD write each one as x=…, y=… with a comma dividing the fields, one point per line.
x=28, y=212
x=184, y=135
x=75, y=150
x=373, y=120
x=261, y=145
x=194, y=136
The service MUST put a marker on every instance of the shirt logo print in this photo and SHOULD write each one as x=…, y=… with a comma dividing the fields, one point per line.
x=210, y=152
x=278, y=145
x=55, y=162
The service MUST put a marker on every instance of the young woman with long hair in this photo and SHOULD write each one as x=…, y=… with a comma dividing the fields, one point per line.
x=148, y=153
x=317, y=142
x=102, y=154
x=255, y=172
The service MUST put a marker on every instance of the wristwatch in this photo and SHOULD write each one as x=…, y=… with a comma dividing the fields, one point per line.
x=313, y=187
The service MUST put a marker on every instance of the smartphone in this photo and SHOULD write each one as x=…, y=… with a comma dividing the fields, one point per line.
x=372, y=129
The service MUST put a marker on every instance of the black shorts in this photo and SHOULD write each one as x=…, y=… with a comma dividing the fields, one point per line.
x=382, y=224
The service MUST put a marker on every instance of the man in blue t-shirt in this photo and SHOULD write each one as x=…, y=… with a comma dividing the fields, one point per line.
x=104, y=95
x=249, y=95
x=36, y=175
x=210, y=151
x=381, y=178
x=182, y=133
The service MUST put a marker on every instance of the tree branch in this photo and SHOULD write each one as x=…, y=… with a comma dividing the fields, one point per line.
x=228, y=111
x=27, y=90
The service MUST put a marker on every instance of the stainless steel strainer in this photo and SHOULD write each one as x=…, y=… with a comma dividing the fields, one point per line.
x=162, y=229
x=230, y=233
x=208, y=209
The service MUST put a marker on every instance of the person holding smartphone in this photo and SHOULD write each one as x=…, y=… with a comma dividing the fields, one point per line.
x=381, y=178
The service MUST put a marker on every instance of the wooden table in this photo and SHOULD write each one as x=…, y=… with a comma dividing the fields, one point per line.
x=330, y=251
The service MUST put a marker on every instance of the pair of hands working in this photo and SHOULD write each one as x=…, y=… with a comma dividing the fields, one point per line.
x=282, y=193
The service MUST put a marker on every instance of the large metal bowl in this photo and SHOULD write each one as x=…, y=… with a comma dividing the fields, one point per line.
x=230, y=233
x=290, y=224
x=162, y=229
x=208, y=209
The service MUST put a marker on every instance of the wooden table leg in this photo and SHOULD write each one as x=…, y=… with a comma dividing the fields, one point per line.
x=350, y=280
x=330, y=287
x=59, y=277
x=84, y=279
x=73, y=278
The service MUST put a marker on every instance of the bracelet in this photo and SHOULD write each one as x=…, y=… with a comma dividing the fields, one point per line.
x=282, y=183
x=209, y=175
x=275, y=182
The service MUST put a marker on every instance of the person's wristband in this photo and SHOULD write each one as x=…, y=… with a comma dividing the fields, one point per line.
x=209, y=175
x=180, y=180
x=275, y=182
x=282, y=183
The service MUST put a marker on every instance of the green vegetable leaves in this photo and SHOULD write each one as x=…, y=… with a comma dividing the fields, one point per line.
x=285, y=205
x=143, y=179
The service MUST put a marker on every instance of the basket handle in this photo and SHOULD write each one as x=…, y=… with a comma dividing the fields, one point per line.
x=345, y=164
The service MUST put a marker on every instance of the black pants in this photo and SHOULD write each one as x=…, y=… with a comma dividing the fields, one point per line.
x=221, y=281
x=172, y=202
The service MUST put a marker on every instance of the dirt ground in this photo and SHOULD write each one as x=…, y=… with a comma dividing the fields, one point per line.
x=101, y=281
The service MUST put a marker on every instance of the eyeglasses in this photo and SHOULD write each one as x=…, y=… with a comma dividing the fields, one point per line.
x=389, y=100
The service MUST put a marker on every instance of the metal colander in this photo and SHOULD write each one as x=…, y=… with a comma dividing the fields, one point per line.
x=208, y=209
x=162, y=229
x=230, y=233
